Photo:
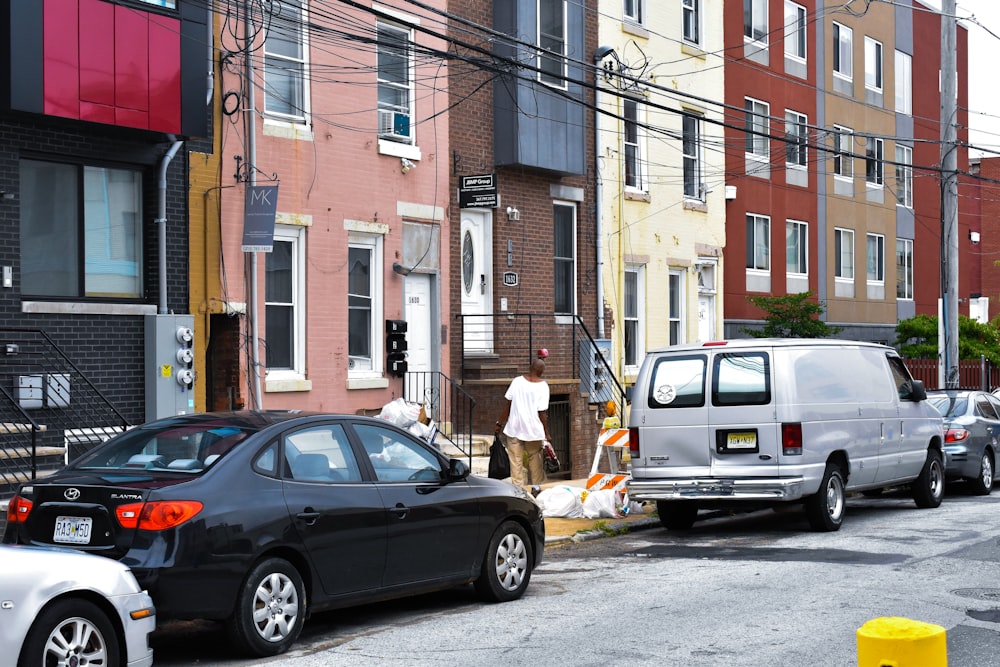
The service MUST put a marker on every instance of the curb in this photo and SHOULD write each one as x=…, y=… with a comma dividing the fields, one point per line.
x=612, y=529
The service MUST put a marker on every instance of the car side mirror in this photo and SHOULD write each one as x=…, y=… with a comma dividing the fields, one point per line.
x=457, y=470
x=918, y=392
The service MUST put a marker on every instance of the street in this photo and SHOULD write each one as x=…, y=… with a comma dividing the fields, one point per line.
x=754, y=589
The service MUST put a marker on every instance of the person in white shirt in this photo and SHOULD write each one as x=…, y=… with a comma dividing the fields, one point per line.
x=525, y=425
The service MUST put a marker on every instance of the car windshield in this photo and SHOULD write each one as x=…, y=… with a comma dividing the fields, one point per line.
x=178, y=447
x=949, y=406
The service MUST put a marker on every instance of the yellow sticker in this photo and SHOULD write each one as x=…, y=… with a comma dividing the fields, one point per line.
x=166, y=370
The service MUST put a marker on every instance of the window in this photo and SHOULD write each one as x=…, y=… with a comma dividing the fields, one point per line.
x=284, y=301
x=873, y=161
x=364, y=304
x=755, y=20
x=683, y=376
x=758, y=242
x=634, y=316
x=169, y=4
x=741, y=379
x=843, y=148
x=691, y=147
x=843, y=51
x=843, y=251
x=552, y=37
x=321, y=454
x=876, y=258
x=564, y=257
x=796, y=247
x=397, y=458
x=285, y=62
x=873, y=64
x=633, y=11
x=904, y=83
x=675, y=309
x=904, y=176
x=634, y=138
x=395, y=83
x=758, y=127
x=85, y=242
x=795, y=138
x=795, y=30
x=904, y=269
x=691, y=21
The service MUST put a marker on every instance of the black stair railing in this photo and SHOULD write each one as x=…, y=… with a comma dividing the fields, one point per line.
x=446, y=403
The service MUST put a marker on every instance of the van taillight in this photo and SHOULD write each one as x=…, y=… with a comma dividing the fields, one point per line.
x=633, y=442
x=18, y=509
x=791, y=439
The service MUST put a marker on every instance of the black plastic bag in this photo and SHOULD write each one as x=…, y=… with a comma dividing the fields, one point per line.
x=499, y=461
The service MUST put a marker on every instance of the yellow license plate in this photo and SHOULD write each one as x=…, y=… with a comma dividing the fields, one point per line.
x=741, y=440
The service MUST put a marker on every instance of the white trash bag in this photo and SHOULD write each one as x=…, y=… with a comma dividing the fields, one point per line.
x=602, y=504
x=400, y=412
x=561, y=501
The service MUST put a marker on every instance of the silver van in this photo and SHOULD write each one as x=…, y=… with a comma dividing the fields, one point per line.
x=771, y=421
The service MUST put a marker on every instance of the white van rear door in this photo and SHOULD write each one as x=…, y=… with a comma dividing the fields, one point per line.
x=674, y=421
x=743, y=434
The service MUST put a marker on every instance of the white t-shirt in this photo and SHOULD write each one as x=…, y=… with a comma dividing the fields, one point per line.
x=527, y=399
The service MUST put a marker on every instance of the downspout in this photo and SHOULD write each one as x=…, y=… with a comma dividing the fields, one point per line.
x=599, y=55
x=161, y=220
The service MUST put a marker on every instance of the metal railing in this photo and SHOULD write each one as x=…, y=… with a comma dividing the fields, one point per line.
x=446, y=403
x=506, y=343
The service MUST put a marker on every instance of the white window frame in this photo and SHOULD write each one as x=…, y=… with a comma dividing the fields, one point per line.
x=843, y=47
x=796, y=36
x=843, y=152
x=691, y=21
x=904, y=269
x=904, y=176
x=755, y=26
x=676, y=287
x=634, y=313
x=757, y=121
x=691, y=150
x=758, y=239
x=840, y=273
x=799, y=231
x=411, y=138
x=544, y=78
x=874, y=157
x=572, y=260
x=796, y=142
x=289, y=62
x=904, y=83
x=296, y=235
x=633, y=127
x=875, y=259
x=874, y=63
x=634, y=11
x=374, y=244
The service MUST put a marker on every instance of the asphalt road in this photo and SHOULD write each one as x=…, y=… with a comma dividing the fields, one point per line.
x=754, y=589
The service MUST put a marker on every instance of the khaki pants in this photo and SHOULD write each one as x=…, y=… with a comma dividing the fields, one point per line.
x=525, y=456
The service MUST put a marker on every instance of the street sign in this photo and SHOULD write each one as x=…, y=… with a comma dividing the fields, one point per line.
x=478, y=191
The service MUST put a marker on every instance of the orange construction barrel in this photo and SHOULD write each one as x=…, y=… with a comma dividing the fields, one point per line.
x=900, y=642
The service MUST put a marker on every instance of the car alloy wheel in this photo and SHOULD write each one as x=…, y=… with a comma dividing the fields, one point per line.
x=507, y=564
x=71, y=632
x=270, y=610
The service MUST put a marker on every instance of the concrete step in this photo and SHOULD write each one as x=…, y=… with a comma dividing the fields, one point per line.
x=480, y=446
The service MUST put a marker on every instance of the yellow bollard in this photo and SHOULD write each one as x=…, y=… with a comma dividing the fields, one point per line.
x=900, y=642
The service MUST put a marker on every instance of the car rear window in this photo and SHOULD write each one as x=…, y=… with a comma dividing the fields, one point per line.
x=741, y=379
x=950, y=406
x=678, y=382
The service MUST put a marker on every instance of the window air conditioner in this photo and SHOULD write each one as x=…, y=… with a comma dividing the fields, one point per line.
x=394, y=125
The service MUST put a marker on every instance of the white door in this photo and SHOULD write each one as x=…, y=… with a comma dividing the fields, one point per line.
x=417, y=311
x=706, y=317
x=477, y=283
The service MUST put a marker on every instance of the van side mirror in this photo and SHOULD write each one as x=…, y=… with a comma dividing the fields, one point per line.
x=918, y=392
x=628, y=393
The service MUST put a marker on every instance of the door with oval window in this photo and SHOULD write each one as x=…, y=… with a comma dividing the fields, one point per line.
x=477, y=281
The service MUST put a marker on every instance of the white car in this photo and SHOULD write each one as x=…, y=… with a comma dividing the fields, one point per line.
x=64, y=607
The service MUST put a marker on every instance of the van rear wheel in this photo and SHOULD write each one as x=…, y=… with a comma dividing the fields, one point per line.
x=676, y=514
x=928, y=488
x=825, y=509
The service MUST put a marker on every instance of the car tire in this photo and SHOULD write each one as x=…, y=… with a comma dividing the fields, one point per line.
x=825, y=508
x=677, y=514
x=270, y=609
x=70, y=627
x=507, y=564
x=983, y=483
x=928, y=488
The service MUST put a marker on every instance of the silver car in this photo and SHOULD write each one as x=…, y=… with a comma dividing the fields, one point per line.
x=972, y=426
x=64, y=607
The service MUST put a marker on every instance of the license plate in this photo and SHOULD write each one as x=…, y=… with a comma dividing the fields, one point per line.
x=72, y=530
x=741, y=440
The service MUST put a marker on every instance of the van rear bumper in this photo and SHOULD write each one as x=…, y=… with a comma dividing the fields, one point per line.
x=717, y=488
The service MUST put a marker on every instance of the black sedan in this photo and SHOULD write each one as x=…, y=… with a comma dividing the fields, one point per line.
x=971, y=429
x=261, y=518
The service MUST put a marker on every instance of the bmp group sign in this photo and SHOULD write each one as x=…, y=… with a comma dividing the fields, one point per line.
x=478, y=192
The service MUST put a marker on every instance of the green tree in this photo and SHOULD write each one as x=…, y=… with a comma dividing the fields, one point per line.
x=917, y=338
x=791, y=316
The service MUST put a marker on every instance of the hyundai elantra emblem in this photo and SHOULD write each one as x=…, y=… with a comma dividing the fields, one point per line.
x=72, y=494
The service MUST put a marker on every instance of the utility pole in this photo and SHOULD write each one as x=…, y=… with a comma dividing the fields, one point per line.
x=250, y=116
x=949, y=194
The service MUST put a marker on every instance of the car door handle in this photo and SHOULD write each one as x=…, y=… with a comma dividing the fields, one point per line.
x=400, y=510
x=309, y=515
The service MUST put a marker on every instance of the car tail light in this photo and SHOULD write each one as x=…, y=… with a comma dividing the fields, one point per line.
x=18, y=509
x=955, y=435
x=157, y=515
x=633, y=442
x=791, y=439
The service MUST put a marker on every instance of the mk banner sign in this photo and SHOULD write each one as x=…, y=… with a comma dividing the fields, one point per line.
x=258, y=218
